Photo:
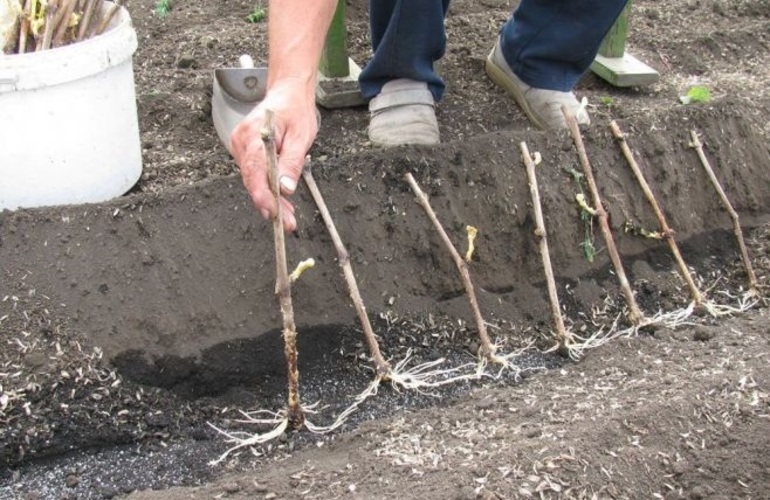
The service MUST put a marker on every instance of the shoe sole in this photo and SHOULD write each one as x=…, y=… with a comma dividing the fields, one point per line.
x=497, y=75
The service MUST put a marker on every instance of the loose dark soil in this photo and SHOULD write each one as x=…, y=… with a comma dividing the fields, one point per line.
x=128, y=327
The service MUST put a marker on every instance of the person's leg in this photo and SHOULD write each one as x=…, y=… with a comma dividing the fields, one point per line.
x=544, y=49
x=550, y=44
x=408, y=36
x=402, y=88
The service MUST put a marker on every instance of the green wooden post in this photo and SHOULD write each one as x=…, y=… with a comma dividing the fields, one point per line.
x=337, y=73
x=613, y=64
x=334, y=58
x=614, y=44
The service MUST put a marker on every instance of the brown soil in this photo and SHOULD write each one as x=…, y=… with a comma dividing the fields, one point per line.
x=127, y=327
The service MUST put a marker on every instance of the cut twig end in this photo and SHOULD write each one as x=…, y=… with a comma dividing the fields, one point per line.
x=636, y=318
x=695, y=141
x=753, y=292
x=619, y=135
x=296, y=418
x=268, y=132
x=383, y=370
x=489, y=353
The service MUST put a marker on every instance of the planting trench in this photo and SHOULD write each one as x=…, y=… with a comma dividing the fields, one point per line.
x=160, y=308
x=175, y=276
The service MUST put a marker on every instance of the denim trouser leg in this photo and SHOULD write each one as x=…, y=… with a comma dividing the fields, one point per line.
x=408, y=36
x=549, y=44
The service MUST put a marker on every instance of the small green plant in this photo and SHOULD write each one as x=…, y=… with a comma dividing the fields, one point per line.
x=696, y=94
x=586, y=216
x=607, y=100
x=257, y=14
x=162, y=8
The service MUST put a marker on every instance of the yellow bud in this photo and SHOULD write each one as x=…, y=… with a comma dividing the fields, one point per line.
x=301, y=268
x=472, y=232
x=581, y=200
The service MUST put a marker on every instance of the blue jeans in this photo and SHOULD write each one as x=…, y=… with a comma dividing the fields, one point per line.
x=549, y=44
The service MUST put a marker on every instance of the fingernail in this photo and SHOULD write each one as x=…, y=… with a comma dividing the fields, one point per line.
x=288, y=184
x=265, y=213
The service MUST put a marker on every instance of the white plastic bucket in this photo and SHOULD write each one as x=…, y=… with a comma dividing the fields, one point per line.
x=69, y=131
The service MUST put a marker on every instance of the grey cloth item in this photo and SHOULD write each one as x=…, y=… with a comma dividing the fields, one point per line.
x=403, y=113
x=542, y=106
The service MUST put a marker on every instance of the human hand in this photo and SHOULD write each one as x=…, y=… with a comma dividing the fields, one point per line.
x=296, y=126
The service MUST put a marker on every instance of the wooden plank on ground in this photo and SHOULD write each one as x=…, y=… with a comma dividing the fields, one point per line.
x=617, y=66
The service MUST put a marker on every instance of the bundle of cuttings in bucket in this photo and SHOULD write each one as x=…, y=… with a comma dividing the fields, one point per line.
x=34, y=25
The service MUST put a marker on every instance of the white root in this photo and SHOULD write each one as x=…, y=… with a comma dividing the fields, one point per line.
x=250, y=440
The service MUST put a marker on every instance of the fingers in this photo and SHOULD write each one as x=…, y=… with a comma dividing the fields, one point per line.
x=295, y=129
x=293, y=146
x=255, y=181
x=289, y=220
x=287, y=215
x=249, y=153
x=290, y=165
x=287, y=209
x=248, y=150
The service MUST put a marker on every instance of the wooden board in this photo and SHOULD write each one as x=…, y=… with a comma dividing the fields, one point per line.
x=616, y=65
x=340, y=92
x=337, y=73
x=626, y=71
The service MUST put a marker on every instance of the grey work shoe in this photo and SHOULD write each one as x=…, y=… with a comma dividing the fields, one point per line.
x=403, y=113
x=542, y=106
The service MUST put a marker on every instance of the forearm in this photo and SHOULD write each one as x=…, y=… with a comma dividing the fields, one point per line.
x=297, y=31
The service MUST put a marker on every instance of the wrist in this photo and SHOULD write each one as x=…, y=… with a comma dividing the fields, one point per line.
x=299, y=90
x=304, y=84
